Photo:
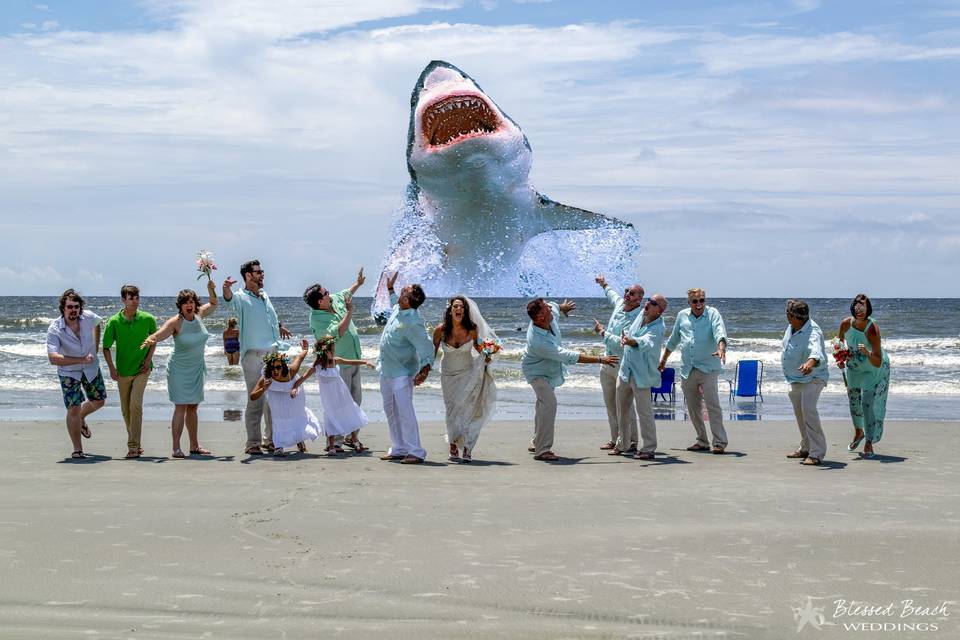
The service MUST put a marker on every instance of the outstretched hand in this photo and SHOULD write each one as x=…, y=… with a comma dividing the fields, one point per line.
x=361, y=278
x=304, y=345
x=392, y=280
x=721, y=352
x=597, y=327
x=601, y=280
x=567, y=307
x=229, y=282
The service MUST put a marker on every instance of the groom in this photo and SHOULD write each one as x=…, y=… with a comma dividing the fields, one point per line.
x=406, y=353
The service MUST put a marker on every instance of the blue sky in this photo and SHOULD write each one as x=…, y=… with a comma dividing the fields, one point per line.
x=777, y=148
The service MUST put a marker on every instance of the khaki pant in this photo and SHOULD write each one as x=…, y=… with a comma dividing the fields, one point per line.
x=691, y=395
x=608, y=383
x=252, y=365
x=131, y=390
x=804, y=397
x=628, y=395
x=545, y=415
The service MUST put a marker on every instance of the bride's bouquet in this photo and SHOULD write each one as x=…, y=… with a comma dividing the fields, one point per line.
x=841, y=352
x=490, y=347
x=205, y=264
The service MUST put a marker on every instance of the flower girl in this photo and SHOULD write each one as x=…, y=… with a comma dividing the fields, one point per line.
x=341, y=415
x=293, y=422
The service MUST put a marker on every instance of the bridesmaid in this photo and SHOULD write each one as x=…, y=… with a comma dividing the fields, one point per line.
x=186, y=368
x=867, y=374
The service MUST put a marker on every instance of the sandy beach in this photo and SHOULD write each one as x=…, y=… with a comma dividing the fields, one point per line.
x=691, y=546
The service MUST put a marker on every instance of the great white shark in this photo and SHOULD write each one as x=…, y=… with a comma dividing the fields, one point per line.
x=471, y=216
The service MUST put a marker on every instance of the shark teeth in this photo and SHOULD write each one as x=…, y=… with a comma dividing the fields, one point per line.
x=456, y=117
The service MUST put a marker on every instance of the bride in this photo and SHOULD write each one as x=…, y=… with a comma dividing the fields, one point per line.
x=469, y=393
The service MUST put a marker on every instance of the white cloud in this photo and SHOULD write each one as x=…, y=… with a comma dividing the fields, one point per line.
x=212, y=132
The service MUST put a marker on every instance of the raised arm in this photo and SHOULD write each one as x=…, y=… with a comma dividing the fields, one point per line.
x=211, y=305
x=344, y=325
x=299, y=358
x=359, y=283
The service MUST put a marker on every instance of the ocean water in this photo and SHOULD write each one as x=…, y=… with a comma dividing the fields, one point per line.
x=920, y=335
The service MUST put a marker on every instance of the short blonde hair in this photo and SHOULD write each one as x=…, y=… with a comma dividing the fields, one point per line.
x=696, y=292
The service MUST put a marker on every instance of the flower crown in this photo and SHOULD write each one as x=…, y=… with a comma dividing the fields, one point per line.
x=324, y=344
x=274, y=356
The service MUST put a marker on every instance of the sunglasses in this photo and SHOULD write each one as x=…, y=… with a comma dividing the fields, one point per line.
x=257, y=271
x=697, y=300
x=277, y=367
x=71, y=306
x=653, y=302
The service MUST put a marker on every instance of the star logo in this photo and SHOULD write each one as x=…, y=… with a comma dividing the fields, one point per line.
x=808, y=615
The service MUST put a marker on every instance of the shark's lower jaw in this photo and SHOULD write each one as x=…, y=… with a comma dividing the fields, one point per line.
x=457, y=118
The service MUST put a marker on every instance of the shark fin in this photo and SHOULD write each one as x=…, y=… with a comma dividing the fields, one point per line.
x=561, y=217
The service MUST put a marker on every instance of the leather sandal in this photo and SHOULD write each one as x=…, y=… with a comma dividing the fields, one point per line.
x=798, y=454
x=547, y=456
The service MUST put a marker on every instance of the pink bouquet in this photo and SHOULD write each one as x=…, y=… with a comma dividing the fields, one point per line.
x=490, y=347
x=841, y=353
x=205, y=264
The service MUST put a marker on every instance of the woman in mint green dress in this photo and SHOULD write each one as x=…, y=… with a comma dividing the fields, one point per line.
x=186, y=368
x=867, y=374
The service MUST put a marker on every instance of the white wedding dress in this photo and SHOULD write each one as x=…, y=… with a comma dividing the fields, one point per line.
x=469, y=393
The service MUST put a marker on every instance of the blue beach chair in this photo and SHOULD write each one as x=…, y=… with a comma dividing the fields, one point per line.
x=668, y=386
x=747, y=380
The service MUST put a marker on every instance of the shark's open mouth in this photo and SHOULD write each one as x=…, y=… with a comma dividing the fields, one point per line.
x=455, y=117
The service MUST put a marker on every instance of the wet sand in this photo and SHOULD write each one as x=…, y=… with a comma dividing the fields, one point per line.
x=691, y=546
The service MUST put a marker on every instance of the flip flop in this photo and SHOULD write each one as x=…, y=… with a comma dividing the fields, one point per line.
x=85, y=430
x=855, y=443
x=199, y=451
x=351, y=443
x=811, y=462
x=302, y=448
x=868, y=455
x=77, y=455
x=178, y=453
x=254, y=451
x=697, y=447
x=133, y=453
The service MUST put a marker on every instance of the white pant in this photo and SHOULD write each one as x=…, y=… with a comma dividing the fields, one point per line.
x=397, y=396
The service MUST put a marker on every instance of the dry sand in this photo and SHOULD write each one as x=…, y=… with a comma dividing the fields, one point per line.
x=692, y=546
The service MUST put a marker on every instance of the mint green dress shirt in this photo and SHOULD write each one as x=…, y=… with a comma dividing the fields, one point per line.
x=800, y=346
x=697, y=339
x=640, y=363
x=257, y=320
x=619, y=320
x=405, y=347
x=544, y=356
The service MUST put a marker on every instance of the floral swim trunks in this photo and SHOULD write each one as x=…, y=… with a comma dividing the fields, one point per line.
x=74, y=390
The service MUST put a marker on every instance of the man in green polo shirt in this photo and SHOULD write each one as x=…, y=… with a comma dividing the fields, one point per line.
x=332, y=315
x=128, y=329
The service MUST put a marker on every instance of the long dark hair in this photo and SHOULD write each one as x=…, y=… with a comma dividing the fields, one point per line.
x=448, y=317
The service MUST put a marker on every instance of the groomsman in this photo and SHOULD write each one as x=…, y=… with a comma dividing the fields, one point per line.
x=702, y=338
x=332, y=314
x=260, y=333
x=639, y=372
x=406, y=354
x=73, y=340
x=128, y=329
x=544, y=366
x=625, y=311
